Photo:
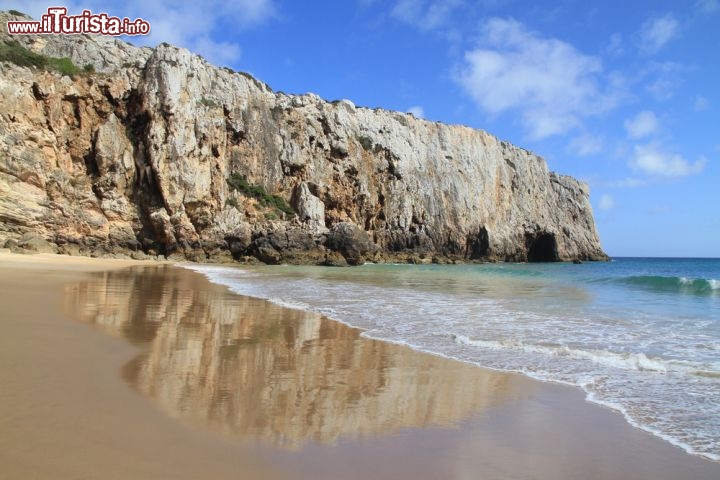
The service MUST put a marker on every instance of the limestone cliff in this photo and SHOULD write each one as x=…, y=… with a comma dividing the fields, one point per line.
x=159, y=152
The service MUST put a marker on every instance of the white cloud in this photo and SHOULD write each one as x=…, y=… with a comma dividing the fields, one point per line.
x=251, y=11
x=417, y=111
x=641, y=125
x=656, y=32
x=663, y=88
x=659, y=210
x=707, y=6
x=615, y=46
x=222, y=53
x=627, y=182
x=663, y=79
x=652, y=159
x=198, y=26
x=606, y=202
x=548, y=82
x=586, y=145
x=701, y=104
x=426, y=14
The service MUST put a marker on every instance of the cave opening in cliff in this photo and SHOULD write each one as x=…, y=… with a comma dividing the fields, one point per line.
x=541, y=247
x=478, y=245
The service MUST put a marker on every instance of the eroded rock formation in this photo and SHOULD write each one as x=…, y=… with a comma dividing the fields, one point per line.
x=135, y=159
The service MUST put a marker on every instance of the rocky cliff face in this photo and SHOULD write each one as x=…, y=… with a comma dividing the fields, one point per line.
x=160, y=152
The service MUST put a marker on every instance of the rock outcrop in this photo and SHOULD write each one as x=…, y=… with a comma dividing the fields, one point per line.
x=136, y=159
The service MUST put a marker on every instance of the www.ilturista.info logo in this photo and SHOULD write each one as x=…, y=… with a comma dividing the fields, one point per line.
x=56, y=20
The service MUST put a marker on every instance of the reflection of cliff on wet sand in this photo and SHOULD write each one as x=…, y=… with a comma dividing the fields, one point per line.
x=265, y=372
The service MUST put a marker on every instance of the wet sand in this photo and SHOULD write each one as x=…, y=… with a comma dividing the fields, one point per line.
x=112, y=369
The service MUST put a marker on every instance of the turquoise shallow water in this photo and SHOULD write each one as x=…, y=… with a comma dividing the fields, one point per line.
x=638, y=335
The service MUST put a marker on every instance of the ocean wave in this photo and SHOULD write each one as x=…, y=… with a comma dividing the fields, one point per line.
x=624, y=361
x=697, y=286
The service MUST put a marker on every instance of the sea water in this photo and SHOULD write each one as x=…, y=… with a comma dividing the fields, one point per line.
x=639, y=335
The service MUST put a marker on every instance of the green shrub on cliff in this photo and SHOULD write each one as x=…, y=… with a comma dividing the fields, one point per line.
x=208, y=102
x=366, y=142
x=239, y=182
x=62, y=65
x=12, y=51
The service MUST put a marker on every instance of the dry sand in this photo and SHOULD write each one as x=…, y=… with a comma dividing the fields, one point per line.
x=116, y=369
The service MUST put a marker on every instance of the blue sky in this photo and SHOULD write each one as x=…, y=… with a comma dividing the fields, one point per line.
x=623, y=95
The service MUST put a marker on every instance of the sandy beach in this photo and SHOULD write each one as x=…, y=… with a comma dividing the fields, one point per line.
x=123, y=369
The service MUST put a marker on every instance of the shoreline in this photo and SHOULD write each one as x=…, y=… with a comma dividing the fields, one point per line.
x=589, y=397
x=521, y=426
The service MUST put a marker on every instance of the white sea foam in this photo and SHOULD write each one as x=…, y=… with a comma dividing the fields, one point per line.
x=654, y=431
x=625, y=361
